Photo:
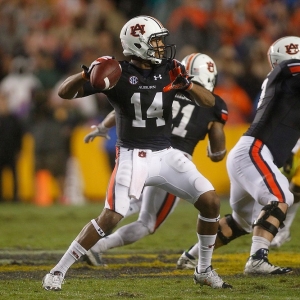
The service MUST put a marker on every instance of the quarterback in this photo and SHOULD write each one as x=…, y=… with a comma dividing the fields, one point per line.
x=142, y=100
x=191, y=124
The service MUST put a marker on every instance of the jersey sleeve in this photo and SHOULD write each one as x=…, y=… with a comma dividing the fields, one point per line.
x=220, y=110
x=89, y=90
x=296, y=147
x=291, y=70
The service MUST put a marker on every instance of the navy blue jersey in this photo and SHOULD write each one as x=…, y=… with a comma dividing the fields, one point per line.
x=277, y=119
x=143, y=111
x=190, y=121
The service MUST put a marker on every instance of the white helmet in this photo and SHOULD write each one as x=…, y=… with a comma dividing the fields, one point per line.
x=284, y=49
x=136, y=35
x=203, y=68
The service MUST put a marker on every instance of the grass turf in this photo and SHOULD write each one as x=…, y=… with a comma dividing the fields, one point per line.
x=32, y=239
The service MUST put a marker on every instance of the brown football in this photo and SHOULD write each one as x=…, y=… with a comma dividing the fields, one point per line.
x=106, y=74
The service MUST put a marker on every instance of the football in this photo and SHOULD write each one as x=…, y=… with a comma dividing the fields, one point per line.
x=106, y=74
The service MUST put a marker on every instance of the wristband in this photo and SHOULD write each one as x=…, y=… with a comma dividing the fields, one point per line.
x=215, y=154
x=102, y=126
x=210, y=154
x=190, y=86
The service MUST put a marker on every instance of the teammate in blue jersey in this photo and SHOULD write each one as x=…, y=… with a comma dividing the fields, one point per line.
x=259, y=192
x=142, y=100
x=191, y=124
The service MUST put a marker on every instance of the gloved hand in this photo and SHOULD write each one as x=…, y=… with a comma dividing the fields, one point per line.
x=288, y=165
x=179, y=80
x=86, y=73
x=175, y=71
x=182, y=82
x=100, y=130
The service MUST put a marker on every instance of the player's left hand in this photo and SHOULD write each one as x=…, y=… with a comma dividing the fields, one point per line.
x=181, y=82
x=86, y=73
x=99, y=130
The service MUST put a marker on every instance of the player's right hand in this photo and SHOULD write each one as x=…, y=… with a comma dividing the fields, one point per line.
x=99, y=130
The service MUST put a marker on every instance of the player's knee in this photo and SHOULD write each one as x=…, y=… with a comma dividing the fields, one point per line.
x=272, y=209
x=147, y=221
x=208, y=204
x=229, y=230
x=109, y=217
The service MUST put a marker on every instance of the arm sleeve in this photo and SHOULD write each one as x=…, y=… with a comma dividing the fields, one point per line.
x=220, y=110
x=89, y=90
x=296, y=147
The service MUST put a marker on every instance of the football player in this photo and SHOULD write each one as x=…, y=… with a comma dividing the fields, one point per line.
x=291, y=169
x=142, y=100
x=191, y=124
x=259, y=192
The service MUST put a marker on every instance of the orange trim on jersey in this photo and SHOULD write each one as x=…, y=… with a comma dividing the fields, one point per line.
x=189, y=62
x=224, y=116
x=295, y=69
x=111, y=185
x=265, y=171
x=165, y=209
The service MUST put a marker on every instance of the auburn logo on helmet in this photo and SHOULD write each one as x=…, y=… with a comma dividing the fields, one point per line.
x=292, y=48
x=137, y=28
x=210, y=67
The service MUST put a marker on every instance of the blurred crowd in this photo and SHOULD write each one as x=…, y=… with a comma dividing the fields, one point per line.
x=44, y=41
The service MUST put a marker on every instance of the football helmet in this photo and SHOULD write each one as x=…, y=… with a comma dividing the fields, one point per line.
x=203, y=68
x=283, y=49
x=137, y=34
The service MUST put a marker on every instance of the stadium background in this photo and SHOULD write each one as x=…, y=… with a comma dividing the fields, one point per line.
x=235, y=33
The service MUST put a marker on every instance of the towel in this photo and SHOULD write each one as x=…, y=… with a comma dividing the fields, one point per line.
x=140, y=158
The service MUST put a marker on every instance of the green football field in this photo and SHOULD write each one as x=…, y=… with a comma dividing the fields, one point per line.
x=32, y=239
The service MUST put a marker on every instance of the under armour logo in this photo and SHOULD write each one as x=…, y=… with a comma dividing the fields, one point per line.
x=292, y=49
x=100, y=231
x=142, y=154
x=210, y=66
x=76, y=256
x=136, y=28
x=157, y=77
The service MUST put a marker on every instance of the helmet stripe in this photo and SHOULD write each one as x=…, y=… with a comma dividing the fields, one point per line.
x=190, y=61
x=158, y=22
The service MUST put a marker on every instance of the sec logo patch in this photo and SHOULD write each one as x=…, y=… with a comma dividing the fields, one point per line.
x=133, y=80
